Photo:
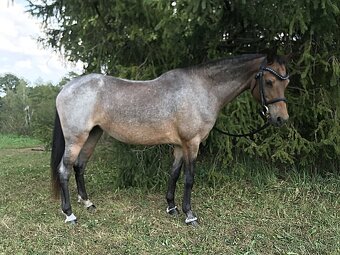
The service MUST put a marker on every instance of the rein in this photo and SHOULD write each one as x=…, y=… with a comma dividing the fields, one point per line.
x=264, y=103
x=251, y=133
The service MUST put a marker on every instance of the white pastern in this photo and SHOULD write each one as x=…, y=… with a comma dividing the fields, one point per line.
x=189, y=220
x=69, y=218
x=87, y=203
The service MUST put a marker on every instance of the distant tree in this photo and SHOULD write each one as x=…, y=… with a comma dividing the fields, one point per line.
x=27, y=109
x=8, y=82
x=67, y=78
x=42, y=110
x=13, y=118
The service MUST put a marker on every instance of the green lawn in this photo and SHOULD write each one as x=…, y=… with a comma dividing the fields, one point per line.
x=293, y=214
x=15, y=142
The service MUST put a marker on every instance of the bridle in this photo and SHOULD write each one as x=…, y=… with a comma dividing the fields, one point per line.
x=264, y=112
x=264, y=102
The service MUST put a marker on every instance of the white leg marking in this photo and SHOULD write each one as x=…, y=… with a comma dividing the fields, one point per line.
x=87, y=203
x=188, y=220
x=72, y=217
x=168, y=210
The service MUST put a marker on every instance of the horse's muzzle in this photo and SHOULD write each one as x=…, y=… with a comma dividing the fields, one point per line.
x=278, y=121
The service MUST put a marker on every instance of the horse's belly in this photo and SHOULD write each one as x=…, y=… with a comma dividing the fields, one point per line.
x=145, y=134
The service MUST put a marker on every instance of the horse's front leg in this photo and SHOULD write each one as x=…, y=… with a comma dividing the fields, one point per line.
x=188, y=184
x=189, y=172
x=175, y=172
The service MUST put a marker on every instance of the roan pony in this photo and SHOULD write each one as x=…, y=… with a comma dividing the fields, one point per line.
x=180, y=107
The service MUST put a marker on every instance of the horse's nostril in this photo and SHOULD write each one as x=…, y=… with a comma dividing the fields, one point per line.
x=280, y=121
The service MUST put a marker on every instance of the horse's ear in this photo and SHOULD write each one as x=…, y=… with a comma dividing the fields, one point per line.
x=280, y=59
x=270, y=53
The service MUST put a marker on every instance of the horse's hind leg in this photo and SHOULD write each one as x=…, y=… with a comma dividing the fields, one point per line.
x=79, y=166
x=175, y=172
x=72, y=150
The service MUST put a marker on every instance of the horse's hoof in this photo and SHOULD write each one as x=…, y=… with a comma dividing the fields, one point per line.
x=172, y=211
x=71, y=219
x=192, y=221
x=193, y=224
x=91, y=209
x=72, y=222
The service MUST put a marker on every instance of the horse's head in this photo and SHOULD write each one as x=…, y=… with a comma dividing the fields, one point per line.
x=268, y=88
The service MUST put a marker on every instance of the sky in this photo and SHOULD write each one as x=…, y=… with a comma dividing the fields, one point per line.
x=21, y=54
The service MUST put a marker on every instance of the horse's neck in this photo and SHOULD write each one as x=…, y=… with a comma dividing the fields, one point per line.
x=230, y=80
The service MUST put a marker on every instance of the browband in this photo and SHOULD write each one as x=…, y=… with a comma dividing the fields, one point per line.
x=286, y=77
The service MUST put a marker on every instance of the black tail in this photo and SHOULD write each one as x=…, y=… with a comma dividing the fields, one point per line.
x=58, y=148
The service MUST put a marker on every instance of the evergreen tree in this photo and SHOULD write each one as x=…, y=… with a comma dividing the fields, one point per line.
x=140, y=39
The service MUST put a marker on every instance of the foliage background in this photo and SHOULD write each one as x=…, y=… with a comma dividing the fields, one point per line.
x=140, y=39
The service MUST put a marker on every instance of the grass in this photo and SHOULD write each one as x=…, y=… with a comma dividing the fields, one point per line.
x=296, y=213
x=17, y=142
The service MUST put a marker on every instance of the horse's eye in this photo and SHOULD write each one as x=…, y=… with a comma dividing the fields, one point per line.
x=269, y=83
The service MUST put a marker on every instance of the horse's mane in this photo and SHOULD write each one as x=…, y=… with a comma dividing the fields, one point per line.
x=281, y=60
x=228, y=60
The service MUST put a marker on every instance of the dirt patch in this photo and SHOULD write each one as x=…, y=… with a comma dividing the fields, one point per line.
x=12, y=151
